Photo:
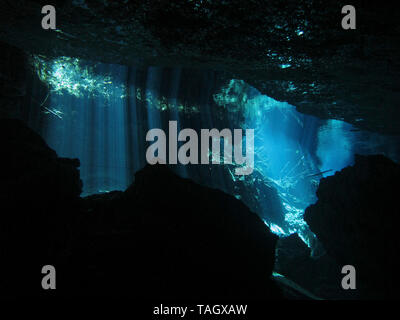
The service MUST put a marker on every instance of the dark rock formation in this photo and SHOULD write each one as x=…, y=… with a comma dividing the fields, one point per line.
x=13, y=70
x=164, y=237
x=168, y=237
x=39, y=195
x=319, y=275
x=356, y=218
x=254, y=190
x=294, y=51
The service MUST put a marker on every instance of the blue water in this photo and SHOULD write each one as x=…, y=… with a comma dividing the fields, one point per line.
x=98, y=121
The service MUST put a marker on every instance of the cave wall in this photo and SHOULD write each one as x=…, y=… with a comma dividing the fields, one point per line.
x=13, y=72
x=356, y=219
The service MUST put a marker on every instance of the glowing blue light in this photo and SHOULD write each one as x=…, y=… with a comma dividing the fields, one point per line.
x=89, y=122
x=276, y=229
x=334, y=146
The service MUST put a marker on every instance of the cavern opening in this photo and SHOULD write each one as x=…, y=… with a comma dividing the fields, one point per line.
x=100, y=113
x=78, y=191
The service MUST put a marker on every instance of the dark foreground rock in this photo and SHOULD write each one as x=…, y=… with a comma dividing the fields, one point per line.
x=168, y=237
x=319, y=276
x=357, y=218
x=39, y=197
x=164, y=237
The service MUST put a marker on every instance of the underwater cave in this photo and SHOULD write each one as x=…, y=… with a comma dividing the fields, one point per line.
x=77, y=189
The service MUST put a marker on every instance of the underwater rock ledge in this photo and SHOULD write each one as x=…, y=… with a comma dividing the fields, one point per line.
x=171, y=238
x=356, y=218
x=164, y=237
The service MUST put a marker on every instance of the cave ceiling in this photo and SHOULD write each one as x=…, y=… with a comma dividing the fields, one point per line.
x=293, y=51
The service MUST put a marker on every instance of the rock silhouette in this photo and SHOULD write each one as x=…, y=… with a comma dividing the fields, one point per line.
x=164, y=237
